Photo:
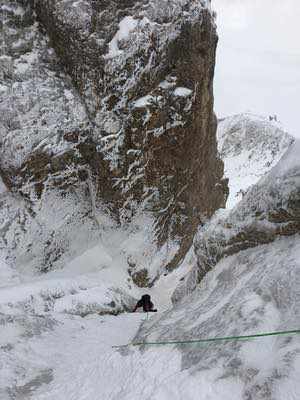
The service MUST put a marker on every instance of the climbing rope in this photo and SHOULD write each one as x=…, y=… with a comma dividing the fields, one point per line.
x=217, y=339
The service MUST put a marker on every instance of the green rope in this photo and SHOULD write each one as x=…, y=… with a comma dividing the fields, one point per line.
x=217, y=339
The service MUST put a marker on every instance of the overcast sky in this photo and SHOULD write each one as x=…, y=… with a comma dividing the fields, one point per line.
x=258, y=59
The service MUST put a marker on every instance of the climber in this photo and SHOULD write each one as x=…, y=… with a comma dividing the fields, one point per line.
x=146, y=303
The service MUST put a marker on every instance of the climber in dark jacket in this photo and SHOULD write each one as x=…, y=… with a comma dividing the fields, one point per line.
x=146, y=303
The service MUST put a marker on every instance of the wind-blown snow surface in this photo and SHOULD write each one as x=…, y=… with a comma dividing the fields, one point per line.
x=250, y=145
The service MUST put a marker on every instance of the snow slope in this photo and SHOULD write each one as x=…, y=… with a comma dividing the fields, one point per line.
x=70, y=357
x=55, y=345
x=250, y=145
x=254, y=291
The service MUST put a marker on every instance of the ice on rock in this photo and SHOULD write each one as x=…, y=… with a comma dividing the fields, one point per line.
x=146, y=101
x=126, y=26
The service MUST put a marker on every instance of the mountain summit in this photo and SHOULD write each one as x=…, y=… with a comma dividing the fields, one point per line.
x=250, y=145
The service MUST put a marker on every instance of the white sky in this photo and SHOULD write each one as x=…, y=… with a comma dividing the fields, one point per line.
x=258, y=59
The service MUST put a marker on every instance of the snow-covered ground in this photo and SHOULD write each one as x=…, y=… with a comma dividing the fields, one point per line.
x=54, y=355
x=7, y=275
x=56, y=344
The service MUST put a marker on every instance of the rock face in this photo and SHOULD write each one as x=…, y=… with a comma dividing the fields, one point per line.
x=46, y=202
x=269, y=210
x=109, y=111
x=250, y=146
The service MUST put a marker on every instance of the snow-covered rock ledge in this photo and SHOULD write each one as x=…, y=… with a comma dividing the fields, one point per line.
x=78, y=296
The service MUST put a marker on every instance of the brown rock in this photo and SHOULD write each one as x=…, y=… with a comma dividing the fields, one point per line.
x=161, y=156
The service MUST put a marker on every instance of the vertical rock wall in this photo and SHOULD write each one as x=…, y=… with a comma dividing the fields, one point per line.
x=144, y=73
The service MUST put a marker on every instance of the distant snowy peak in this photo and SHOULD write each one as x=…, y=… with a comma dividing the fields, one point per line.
x=250, y=145
x=250, y=132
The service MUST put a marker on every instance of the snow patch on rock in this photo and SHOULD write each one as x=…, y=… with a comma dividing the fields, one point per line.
x=126, y=26
x=182, y=92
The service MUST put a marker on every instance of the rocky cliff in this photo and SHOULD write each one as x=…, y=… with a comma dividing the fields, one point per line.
x=270, y=210
x=106, y=115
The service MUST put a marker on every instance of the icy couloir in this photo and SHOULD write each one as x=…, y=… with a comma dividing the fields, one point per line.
x=49, y=353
